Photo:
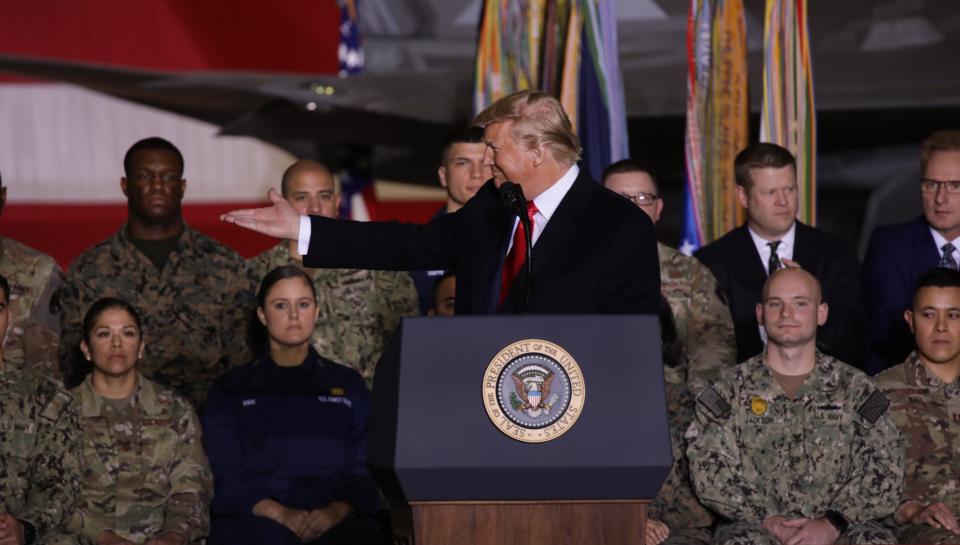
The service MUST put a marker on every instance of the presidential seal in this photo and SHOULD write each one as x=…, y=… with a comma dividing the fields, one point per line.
x=533, y=391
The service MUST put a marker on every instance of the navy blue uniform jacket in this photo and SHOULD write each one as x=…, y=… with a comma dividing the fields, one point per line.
x=597, y=254
x=896, y=256
x=294, y=435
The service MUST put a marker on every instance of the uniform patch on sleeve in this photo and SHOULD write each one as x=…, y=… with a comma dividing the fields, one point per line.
x=874, y=407
x=60, y=400
x=712, y=401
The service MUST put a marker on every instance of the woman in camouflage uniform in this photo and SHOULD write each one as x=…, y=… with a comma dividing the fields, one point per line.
x=145, y=478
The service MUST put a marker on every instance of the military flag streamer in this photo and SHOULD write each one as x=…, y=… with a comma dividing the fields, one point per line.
x=788, y=118
x=717, y=118
x=567, y=48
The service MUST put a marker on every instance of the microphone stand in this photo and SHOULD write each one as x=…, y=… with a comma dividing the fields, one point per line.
x=512, y=196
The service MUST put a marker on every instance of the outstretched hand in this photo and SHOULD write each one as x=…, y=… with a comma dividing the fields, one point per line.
x=279, y=220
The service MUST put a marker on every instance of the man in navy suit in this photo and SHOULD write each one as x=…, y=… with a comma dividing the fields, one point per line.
x=772, y=238
x=593, y=251
x=898, y=254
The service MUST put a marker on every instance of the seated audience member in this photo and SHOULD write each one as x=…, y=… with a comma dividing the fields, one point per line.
x=358, y=309
x=924, y=392
x=444, y=296
x=286, y=435
x=34, y=328
x=772, y=238
x=793, y=446
x=703, y=319
x=676, y=516
x=145, y=478
x=39, y=452
x=898, y=254
x=195, y=294
x=461, y=173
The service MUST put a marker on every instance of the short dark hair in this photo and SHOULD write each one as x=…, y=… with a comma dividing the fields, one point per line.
x=945, y=140
x=469, y=135
x=76, y=367
x=762, y=155
x=939, y=277
x=438, y=281
x=624, y=166
x=282, y=273
x=5, y=287
x=151, y=143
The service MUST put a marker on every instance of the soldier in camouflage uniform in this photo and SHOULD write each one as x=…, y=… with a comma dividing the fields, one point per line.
x=924, y=392
x=359, y=309
x=39, y=447
x=195, y=295
x=145, y=477
x=794, y=445
x=34, y=328
x=702, y=317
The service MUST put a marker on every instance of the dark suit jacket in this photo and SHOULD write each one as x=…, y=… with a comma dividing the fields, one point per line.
x=896, y=256
x=597, y=254
x=735, y=262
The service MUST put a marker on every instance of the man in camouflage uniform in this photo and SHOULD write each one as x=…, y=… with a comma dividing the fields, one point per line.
x=702, y=317
x=924, y=392
x=793, y=446
x=34, y=329
x=194, y=294
x=359, y=309
x=39, y=459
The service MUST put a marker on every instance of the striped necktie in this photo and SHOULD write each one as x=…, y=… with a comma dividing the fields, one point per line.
x=947, y=261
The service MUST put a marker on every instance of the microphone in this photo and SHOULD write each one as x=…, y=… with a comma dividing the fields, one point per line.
x=512, y=196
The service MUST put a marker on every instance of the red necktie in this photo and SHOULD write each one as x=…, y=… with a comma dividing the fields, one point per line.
x=517, y=256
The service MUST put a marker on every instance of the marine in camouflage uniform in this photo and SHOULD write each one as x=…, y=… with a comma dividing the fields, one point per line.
x=927, y=411
x=144, y=471
x=34, y=328
x=197, y=309
x=676, y=505
x=702, y=317
x=755, y=453
x=358, y=309
x=39, y=453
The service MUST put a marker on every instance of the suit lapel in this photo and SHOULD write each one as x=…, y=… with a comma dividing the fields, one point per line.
x=751, y=272
x=559, y=230
x=926, y=255
x=802, y=248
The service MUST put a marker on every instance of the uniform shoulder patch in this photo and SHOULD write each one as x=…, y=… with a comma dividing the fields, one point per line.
x=60, y=400
x=711, y=400
x=874, y=407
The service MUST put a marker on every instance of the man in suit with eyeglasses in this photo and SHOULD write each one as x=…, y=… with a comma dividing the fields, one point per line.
x=898, y=254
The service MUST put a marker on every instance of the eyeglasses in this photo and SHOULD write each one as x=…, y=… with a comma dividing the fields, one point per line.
x=931, y=186
x=643, y=199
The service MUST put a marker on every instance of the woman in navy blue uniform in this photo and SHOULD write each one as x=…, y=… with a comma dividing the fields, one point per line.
x=286, y=435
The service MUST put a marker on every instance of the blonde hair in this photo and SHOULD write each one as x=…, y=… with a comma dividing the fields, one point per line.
x=945, y=140
x=538, y=120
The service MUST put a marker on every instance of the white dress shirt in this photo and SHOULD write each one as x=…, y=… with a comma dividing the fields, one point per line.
x=940, y=240
x=784, y=250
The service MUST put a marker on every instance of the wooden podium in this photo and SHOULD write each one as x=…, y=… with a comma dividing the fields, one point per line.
x=453, y=477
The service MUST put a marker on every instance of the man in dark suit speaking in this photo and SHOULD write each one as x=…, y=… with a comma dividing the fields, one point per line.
x=593, y=251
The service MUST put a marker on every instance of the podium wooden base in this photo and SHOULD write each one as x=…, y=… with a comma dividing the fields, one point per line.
x=619, y=522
